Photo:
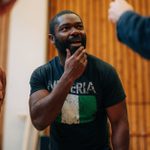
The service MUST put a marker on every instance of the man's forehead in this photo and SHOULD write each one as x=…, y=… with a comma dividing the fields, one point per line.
x=68, y=18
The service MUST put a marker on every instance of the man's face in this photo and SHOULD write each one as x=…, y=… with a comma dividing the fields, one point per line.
x=69, y=33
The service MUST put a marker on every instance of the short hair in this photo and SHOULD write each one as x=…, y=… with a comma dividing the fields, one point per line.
x=54, y=20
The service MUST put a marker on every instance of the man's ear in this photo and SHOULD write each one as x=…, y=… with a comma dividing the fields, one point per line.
x=52, y=38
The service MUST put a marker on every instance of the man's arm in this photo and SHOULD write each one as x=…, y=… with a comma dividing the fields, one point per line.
x=134, y=31
x=45, y=106
x=119, y=124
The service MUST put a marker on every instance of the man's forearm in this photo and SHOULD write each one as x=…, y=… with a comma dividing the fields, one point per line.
x=120, y=138
x=45, y=110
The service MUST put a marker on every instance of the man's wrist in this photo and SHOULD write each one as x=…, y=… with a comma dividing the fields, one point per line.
x=67, y=79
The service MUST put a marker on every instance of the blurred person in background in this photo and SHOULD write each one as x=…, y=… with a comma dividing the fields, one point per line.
x=132, y=28
x=2, y=86
x=6, y=5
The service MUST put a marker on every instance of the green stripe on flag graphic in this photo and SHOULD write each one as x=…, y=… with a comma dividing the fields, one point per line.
x=78, y=109
x=87, y=108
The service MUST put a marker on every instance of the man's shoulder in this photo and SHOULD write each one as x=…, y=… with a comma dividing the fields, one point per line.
x=99, y=62
x=47, y=67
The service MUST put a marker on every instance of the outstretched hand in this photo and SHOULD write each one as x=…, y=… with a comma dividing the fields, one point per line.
x=117, y=8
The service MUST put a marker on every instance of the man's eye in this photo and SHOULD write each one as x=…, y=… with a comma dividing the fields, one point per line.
x=64, y=28
x=79, y=27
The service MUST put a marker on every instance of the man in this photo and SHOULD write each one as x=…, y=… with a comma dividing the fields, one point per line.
x=75, y=92
x=132, y=29
x=2, y=86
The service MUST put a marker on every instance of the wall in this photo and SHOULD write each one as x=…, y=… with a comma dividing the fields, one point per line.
x=27, y=48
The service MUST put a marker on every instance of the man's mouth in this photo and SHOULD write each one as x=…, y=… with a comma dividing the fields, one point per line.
x=76, y=43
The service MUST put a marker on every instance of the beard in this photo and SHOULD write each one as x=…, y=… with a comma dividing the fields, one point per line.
x=63, y=45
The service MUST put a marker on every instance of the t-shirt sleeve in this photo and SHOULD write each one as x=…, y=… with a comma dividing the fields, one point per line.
x=113, y=91
x=37, y=80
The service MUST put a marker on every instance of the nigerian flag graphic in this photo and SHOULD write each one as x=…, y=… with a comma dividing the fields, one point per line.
x=78, y=109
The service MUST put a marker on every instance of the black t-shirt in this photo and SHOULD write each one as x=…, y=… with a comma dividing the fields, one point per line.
x=82, y=123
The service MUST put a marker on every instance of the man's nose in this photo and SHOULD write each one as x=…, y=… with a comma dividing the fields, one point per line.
x=74, y=31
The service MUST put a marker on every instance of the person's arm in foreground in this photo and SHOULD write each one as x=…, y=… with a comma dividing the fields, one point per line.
x=45, y=106
x=132, y=29
x=117, y=115
x=2, y=86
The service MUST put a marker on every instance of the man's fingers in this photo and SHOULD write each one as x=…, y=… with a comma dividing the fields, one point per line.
x=68, y=53
x=78, y=52
x=82, y=54
x=83, y=58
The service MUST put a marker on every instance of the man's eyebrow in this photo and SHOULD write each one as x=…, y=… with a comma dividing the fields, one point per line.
x=65, y=24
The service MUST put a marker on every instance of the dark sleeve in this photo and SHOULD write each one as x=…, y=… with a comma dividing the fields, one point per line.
x=37, y=80
x=134, y=31
x=113, y=91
